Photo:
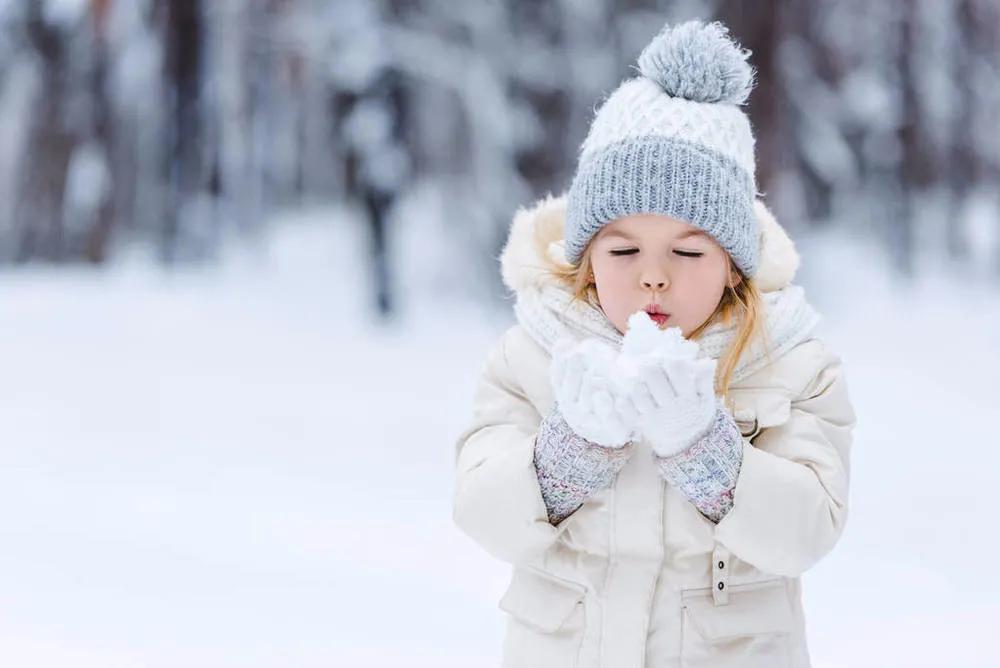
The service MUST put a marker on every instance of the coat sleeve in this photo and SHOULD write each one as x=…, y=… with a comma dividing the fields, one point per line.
x=497, y=499
x=790, y=501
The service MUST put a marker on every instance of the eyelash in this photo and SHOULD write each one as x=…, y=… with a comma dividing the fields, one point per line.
x=632, y=251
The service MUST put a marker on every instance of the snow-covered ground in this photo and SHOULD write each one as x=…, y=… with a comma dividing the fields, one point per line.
x=239, y=467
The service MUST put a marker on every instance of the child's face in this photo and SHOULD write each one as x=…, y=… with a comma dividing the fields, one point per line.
x=650, y=258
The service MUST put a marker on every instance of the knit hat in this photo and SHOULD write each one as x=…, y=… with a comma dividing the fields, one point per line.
x=673, y=141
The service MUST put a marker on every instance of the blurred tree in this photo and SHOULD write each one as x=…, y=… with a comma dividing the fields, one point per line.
x=179, y=123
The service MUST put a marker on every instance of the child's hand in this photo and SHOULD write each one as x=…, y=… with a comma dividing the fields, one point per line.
x=584, y=383
x=672, y=390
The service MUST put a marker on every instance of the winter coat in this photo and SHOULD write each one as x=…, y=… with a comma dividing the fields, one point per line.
x=637, y=576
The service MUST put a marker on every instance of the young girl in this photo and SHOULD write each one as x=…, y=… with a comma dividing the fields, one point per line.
x=660, y=445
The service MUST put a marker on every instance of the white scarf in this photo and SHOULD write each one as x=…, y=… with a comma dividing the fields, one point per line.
x=549, y=313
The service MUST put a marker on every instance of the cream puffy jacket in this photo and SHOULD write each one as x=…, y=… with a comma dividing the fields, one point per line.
x=637, y=576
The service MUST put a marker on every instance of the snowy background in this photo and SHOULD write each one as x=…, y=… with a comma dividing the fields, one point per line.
x=240, y=466
x=246, y=285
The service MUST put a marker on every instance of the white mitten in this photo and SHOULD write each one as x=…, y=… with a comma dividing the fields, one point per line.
x=672, y=390
x=582, y=376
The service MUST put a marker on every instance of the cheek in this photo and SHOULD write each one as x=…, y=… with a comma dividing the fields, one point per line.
x=614, y=284
x=701, y=284
x=612, y=275
x=711, y=282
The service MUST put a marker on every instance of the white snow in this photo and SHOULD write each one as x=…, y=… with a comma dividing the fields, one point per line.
x=239, y=467
x=643, y=336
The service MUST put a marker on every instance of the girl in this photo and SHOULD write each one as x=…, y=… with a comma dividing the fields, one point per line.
x=660, y=445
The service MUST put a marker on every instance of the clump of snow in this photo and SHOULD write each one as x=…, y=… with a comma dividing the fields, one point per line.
x=645, y=343
x=644, y=337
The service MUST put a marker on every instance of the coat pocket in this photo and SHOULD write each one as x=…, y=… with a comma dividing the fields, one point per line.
x=547, y=620
x=754, y=628
x=543, y=601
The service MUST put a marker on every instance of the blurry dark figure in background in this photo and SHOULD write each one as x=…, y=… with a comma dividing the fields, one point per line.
x=378, y=164
x=185, y=165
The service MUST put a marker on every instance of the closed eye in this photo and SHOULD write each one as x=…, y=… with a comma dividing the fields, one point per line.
x=632, y=251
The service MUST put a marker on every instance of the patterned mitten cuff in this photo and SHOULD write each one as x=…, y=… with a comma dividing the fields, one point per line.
x=706, y=472
x=570, y=468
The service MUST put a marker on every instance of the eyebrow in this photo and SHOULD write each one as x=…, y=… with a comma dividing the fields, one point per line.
x=683, y=235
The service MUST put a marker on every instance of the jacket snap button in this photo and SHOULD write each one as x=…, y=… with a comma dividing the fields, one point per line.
x=722, y=564
x=721, y=585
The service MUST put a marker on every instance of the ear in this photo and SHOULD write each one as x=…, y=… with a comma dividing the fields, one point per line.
x=734, y=277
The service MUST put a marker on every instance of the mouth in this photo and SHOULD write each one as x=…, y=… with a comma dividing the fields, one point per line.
x=653, y=311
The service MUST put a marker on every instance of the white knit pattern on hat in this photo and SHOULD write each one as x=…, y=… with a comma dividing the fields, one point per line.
x=639, y=108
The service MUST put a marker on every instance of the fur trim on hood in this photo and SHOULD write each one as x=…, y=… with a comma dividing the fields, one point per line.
x=537, y=231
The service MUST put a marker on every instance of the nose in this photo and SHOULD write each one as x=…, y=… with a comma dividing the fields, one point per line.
x=654, y=279
x=653, y=275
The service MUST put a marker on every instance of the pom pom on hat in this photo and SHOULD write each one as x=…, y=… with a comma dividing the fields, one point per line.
x=698, y=62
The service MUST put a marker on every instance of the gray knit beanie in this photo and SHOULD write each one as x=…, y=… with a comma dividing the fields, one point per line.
x=673, y=141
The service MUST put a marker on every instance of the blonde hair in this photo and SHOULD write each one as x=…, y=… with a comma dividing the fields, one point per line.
x=742, y=303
